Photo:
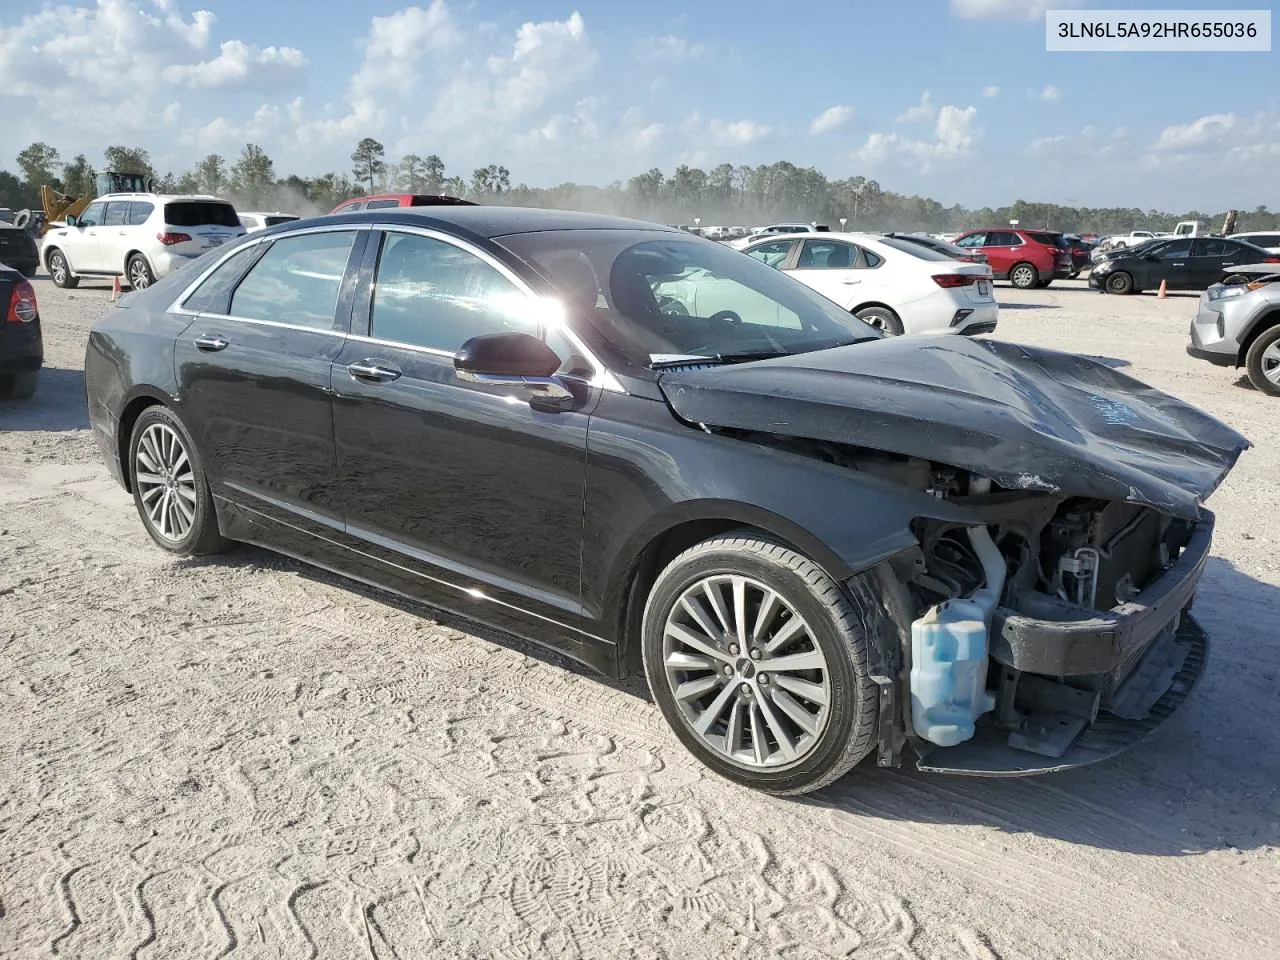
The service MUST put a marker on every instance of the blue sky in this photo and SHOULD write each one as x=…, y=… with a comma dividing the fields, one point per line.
x=957, y=99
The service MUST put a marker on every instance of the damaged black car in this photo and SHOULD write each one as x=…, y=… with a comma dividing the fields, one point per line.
x=656, y=455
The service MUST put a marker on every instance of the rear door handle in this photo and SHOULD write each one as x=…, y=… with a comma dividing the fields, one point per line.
x=210, y=344
x=373, y=371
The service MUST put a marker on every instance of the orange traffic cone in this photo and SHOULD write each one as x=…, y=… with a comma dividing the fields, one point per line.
x=1164, y=286
x=115, y=288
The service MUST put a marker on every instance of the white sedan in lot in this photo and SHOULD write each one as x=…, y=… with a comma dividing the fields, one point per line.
x=898, y=286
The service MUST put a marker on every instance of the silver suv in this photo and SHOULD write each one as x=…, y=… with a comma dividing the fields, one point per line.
x=139, y=236
x=1238, y=325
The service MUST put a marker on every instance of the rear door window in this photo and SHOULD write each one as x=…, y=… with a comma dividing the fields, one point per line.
x=377, y=204
x=1003, y=238
x=117, y=213
x=826, y=255
x=296, y=281
x=200, y=213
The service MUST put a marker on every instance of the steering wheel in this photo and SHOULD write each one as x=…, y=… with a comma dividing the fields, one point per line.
x=728, y=316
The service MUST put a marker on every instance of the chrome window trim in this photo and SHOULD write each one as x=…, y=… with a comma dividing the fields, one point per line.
x=178, y=304
x=329, y=332
x=602, y=376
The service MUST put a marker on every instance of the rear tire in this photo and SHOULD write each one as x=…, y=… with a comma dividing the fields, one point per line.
x=1120, y=283
x=1024, y=275
x=756, y=724
x=60, y=271
x=882, y=318
x=169, y=486
x=1263, y=362
x=139, y=271
x=1044, y=284
x=18, y=386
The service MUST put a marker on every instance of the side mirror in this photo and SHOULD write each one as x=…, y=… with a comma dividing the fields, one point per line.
x=511, y=358
x=71, y=220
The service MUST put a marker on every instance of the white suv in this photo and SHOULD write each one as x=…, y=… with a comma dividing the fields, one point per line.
x=141, y=236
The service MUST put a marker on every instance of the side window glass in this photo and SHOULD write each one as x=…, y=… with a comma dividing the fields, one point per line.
x=429, y=293
x=139, y=210
x=869, y=260
x=117, y=213
x=1175, y=249
x=1216, y=248
x=296, y=281
x=825, y=255
x=211, y=295
x=378, y=204
x=773, y=254
x=973, y=240
x=92, y=216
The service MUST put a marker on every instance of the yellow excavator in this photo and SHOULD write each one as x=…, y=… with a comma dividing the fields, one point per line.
x=58, y=206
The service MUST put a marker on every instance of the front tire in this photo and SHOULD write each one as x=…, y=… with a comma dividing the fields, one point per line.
x=139, y=271
x=883, y=319
x=60, y=271
x=1263, y=362
x=1024, y=275
x=1120, y=283
x=169, y=486
x=759, y=663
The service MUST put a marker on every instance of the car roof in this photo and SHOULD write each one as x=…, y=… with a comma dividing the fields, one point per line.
x=159, y=196
x=492, y=222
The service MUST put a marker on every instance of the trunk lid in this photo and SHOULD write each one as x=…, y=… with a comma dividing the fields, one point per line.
x=1028, y=418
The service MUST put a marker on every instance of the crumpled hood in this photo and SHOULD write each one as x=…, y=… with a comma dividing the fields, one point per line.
x=1028, y=418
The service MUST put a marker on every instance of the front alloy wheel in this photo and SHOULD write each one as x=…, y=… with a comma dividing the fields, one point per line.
x=758, y=661
x=169, y=486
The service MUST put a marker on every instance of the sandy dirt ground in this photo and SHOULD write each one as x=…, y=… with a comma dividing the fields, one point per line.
x=245, y=757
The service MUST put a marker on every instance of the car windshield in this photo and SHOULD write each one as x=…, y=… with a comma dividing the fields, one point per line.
x=657, y=295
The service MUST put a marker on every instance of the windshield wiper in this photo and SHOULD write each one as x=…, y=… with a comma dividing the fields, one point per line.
x=718, y=358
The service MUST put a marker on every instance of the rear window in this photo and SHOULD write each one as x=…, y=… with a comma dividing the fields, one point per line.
x=1050, y=240
x=915, y=249
x=200, y=213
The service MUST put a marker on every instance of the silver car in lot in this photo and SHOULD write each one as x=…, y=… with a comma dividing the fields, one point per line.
x=1238, y=325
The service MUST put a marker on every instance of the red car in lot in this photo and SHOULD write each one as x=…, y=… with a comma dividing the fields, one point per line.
x=1026, y=258
x=400, y=200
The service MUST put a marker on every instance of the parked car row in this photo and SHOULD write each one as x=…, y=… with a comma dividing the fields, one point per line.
x=1181, y=263
x=1238, y=325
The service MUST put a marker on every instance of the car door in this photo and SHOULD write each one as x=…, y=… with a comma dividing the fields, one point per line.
x=828, y=267
x=113, y=237
x=467, y=485
x=254, y=370
x=80, y=244
x=1170, y=262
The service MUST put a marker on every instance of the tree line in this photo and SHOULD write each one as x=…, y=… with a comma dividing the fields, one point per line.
x=728, y=194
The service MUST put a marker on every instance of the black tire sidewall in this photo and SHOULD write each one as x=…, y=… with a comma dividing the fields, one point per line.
x=200, y=533
x=18, y=386
x=892, y=324
x=1253, y=362
x=848, y=682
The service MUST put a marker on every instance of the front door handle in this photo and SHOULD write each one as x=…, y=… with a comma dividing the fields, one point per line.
x=373, y=371
x=210, y=344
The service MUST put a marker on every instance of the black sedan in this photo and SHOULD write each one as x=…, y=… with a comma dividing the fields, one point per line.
x=18, y=249
x=656, y=455
x=1183, y=263
x=21, y=342
x=970, y=255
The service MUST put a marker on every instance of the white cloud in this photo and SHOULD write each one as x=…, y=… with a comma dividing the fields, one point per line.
x=991, y=92
x=830, y=119
x=239, y=64
x=171, y=112
x=954, y=136
x=739, y=132
x=1051, y=94
x=922, y=112
x=671, y=48
x=1008, y=9
x=1197, y=133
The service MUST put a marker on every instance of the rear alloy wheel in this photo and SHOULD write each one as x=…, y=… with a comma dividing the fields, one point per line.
x=758, y=662
x=1120, y=282
x=169, y=486
x=1263, y=362
x=140, y=275
x=60, y=272
x=1024, y=275
x=883, y=319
